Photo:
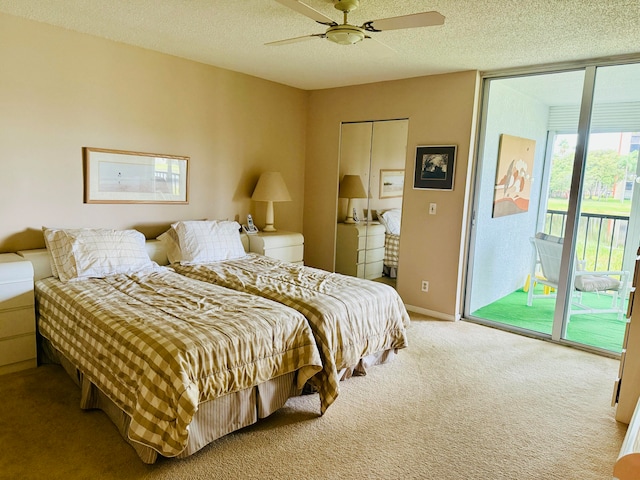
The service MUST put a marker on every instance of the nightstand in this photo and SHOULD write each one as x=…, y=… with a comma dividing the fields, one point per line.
x=285, y=246
x=360, y=249
x=17, y=314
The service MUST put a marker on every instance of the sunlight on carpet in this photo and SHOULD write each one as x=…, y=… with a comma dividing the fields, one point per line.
x=597, y=330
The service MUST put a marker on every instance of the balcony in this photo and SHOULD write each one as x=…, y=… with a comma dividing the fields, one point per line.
x=600, y=244
x=600, y=240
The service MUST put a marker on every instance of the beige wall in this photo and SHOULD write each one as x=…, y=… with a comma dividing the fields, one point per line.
x=441, y=111
x=61, y=91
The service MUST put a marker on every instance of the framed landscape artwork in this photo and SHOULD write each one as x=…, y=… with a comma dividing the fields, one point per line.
x=117, y=176
x=391, y=183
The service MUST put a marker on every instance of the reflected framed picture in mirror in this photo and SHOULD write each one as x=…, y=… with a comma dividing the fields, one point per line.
x=391, y=183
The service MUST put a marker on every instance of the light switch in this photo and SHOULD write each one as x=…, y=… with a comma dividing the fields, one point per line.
x=432, y=209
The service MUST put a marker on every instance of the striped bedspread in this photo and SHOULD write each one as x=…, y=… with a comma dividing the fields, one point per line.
x=350, y=317
x=391, y=249
x=158, y=344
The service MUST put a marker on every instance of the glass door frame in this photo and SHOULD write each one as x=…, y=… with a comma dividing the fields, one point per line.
x=560, y=320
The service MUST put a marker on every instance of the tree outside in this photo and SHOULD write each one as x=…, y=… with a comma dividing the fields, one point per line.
x=608, y=173
x=609, y=178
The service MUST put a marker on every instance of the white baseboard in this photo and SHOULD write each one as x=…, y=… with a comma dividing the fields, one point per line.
x=431, y=313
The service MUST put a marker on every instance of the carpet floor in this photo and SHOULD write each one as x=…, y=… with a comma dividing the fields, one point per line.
x=464, y=401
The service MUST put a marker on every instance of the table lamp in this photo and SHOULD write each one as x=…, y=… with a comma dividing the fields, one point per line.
x=351, y=187
x=271, y=188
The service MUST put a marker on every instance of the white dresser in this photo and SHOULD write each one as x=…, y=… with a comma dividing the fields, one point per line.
x=360, y=249
x=17, y=314
x=285, y=246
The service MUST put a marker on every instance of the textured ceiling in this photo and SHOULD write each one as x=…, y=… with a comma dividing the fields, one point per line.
x=477, y=34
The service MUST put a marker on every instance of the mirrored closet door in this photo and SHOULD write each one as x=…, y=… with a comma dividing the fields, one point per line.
x=372, y=160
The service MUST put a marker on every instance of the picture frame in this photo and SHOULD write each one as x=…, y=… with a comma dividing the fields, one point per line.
x=391, y=183
x=514, y=171
x=119, y=176
x=435, y=167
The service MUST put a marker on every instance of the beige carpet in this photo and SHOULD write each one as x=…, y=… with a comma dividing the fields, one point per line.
x=463, y=402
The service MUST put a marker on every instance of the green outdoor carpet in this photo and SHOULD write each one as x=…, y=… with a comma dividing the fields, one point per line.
x=602, y=330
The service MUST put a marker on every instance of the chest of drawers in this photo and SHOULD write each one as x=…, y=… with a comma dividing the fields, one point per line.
x=17, y=314
x=360, y=249
x=285, y=246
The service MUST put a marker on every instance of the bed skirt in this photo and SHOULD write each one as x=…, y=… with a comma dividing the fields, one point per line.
x=214, y=418
x=365, y=363
x=391, y=255
x=391, y=272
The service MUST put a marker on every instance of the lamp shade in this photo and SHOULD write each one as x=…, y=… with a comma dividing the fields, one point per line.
x=270, y=188
x=352, y=187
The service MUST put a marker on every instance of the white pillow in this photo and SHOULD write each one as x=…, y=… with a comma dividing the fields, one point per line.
x=59, y=248
x=208, y=241
x=97, y=253
x=383, y=222
x=391, y=220
x=171, y=244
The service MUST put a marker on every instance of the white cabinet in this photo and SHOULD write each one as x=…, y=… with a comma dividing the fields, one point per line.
x=360, y=249
x=17, y=314
x=285, y=246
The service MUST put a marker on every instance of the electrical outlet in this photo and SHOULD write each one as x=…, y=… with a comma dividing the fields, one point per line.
x=425, y=286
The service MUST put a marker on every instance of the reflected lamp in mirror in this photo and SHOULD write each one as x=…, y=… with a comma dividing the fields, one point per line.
x=270, y=188
x=351, y=187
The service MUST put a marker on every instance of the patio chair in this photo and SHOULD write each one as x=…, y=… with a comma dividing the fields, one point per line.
x=545, y=269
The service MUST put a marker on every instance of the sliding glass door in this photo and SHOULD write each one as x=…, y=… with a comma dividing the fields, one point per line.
x=554, y=230
x=604, y=245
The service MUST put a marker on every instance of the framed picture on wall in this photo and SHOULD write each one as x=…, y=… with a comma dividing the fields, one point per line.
x=513, y=175
x=391, y=183
x=435, y=167
x=117, y=176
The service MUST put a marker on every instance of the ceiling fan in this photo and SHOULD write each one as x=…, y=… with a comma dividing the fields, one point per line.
x=347, y=34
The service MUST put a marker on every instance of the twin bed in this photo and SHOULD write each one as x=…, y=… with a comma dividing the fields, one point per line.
x=180, y=355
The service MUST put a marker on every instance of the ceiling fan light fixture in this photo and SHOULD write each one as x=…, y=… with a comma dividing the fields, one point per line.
x=345, y=34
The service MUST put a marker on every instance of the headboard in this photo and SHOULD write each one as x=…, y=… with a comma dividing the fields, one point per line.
x=42, y=266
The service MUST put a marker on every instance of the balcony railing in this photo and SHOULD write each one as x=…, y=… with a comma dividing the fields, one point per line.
x=600, y=241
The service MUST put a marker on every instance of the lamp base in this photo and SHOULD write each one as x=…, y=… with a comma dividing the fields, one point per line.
x=268, y=227
x=351, y=212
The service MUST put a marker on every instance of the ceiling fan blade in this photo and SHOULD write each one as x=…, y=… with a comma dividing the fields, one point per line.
x=424, y=19
x=296, y=39
x=307, y=11
x=379, y=46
